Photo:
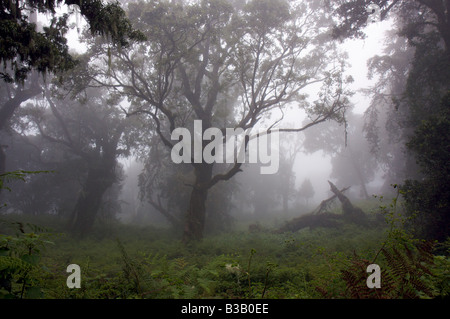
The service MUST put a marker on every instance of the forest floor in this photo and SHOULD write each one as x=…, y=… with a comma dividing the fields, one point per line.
x=126, y=261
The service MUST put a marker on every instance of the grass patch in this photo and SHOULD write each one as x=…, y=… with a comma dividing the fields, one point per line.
x=124, y=261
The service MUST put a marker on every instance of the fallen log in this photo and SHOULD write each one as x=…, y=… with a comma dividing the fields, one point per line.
x=319, y=217
x=327, y=220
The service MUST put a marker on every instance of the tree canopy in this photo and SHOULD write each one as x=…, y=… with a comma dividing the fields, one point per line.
x=226, y=65
x=23, y=48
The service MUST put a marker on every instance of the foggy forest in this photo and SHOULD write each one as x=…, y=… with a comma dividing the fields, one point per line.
x=224, y=149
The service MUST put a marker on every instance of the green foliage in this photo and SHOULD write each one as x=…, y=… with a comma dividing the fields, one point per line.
x=20, y=261
x=408, y=265
x=237, y=265
x=141, y=262
x=427, y=200
x=26, y=49
x=405, y=274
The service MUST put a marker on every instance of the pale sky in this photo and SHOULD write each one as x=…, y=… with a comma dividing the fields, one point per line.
x=359, y=52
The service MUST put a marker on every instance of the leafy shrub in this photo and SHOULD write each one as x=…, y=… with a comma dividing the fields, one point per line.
x=20, y=256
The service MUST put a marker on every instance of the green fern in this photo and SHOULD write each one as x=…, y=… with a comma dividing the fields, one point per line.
x=16, y=277
x=411, y=268
x=20, y=256
x=403, y=275
x=131, y=269
x=180, y=263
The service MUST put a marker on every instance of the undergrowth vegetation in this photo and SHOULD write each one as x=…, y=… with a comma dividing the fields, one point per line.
x=124, y=261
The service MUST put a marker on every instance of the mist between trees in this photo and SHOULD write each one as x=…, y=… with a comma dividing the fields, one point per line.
x=102, y=121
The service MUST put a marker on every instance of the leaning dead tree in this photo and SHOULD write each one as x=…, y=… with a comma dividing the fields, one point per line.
x=320, y=217
x=350, y=212
x=325, y=204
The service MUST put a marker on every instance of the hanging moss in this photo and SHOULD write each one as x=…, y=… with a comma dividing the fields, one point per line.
x=23, y=49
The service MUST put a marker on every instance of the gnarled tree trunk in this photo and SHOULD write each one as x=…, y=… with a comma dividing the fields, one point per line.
x=8, y=108
x=195, y=217
x=98, y=180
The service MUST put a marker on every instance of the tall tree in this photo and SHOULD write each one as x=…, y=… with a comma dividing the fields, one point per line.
x=425, y=24
x=306, y=190
x=52, y=192
x=26, y=51
x=213, y=58
x=90, y=128
x=387, y=126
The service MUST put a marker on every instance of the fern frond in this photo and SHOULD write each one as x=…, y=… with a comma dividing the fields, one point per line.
x=180, y=263
x=323, y=292
x=400, y=266
x=425, y=250
x=420, y=286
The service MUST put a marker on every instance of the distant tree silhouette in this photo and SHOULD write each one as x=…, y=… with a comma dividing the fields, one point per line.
x=306, y=191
